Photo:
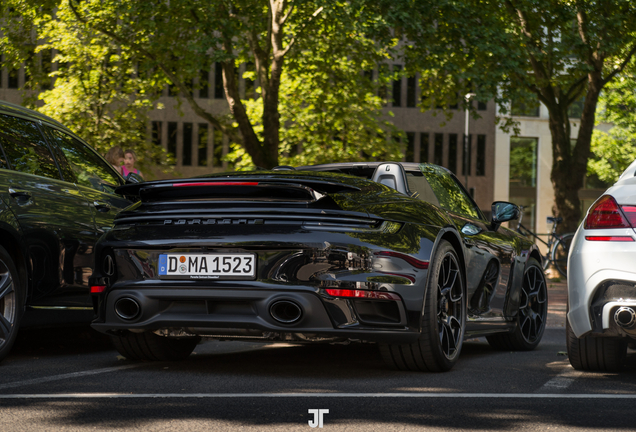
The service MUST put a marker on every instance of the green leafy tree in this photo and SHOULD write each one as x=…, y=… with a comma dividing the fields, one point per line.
x=289, y=44
x=615, y=149
x=98, y=91
x=556, y=51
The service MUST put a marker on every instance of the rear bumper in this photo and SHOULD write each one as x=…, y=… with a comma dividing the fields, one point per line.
x=600, y=280
x=240, y=314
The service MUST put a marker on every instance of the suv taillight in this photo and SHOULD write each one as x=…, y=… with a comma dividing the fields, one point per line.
x=607, y=214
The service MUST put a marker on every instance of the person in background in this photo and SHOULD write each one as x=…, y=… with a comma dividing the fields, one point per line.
x=115, y=157
x=129, y=164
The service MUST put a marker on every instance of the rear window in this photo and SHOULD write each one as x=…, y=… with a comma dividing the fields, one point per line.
x=450, y=194
x=420, y=188
x=25, y=148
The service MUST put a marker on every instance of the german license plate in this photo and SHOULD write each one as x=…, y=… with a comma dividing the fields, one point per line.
x=207, y=266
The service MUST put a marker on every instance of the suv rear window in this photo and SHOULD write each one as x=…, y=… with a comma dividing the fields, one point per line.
x=25, y=147
x=89, y=169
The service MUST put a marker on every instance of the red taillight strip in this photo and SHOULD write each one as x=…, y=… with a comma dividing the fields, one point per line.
x=610, y=238
x=409, y=259
x=382, y=295
x=96, y=289
x=216, y=184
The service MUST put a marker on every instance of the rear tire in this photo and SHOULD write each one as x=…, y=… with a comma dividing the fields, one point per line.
x=11, y=303
x=532, y=314
x=148, y=346
x=443, y=320
x=595, y=354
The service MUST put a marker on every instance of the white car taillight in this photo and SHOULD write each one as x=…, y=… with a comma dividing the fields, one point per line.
x=607, y=214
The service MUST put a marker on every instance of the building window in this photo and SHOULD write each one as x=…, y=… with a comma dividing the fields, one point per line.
x=204, y=83
x=467, y=157
x=438, y=151
x=368, y=74
x=172, y=139
x=383, y=71
x=424, y=147
x=13, y=79
x=397, y=86
x=480, y=168
x=523, y=176
x=186, y=154
x=409, y=155
x=456, y=104
x=482, y=106
x=203, y=144
x=219, y=92
x=46, y=59
x=173, y=91
x=218, y=148
x=411, y=84
x=452, y=152
x=528, y=107
x=156, y=133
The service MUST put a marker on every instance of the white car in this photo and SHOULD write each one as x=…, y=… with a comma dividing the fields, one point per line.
x=601, y=317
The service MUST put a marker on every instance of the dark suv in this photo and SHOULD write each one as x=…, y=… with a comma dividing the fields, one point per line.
x=56, y=199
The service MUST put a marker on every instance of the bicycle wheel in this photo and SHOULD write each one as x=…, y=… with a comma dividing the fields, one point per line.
x=559, y=255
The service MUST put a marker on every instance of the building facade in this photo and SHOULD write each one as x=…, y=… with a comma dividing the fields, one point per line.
x=491, y=168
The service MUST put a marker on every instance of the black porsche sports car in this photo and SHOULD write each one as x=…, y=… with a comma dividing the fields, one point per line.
x=393, y=253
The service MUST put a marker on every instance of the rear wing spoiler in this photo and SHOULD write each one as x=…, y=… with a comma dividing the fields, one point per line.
x=235, y=188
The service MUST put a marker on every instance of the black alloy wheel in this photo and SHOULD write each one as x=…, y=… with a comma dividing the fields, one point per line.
x=450, y=307
x=10, y=303
x=443, y=319
x=532, y=314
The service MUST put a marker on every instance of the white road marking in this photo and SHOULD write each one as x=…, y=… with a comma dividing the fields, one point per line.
x=65, y=376
x=318, y=395
x=562, y=381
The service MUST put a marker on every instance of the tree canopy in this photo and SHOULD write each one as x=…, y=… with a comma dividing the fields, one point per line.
x=302, y=61
x=558, y=52
x=615, y=149
x=292, y=48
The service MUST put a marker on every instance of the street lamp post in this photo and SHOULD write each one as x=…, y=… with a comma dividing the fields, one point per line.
x=467, y=99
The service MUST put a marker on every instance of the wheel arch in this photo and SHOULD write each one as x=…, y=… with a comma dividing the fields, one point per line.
x=536, y=255
x=451, y=236
x=10, y=241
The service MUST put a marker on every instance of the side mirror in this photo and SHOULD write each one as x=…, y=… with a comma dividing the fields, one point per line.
x=133, y=178
x=503, y=211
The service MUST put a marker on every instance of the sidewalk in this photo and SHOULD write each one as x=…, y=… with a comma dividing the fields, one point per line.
x=557, y=303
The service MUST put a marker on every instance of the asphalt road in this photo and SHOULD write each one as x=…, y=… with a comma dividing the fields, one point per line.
x=71, y=379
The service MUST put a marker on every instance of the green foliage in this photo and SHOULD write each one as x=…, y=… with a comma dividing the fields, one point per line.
x=329, y=110
x=98, y=92
x=306, y=57
x=614, y=150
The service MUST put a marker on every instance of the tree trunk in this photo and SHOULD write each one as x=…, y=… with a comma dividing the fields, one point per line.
x=569, y=162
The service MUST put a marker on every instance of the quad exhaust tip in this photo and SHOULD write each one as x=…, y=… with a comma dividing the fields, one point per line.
x=127, y=308
x=286, y=311
x=625, y=317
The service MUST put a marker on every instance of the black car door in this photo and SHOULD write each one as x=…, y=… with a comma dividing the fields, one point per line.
x=489, y=253
x=95, y=178
x=55, y=218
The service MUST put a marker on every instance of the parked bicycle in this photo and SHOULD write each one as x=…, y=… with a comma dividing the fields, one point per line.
x=558, y=244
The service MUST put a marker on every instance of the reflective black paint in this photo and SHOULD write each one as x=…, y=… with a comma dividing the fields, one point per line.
x=302, y=249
